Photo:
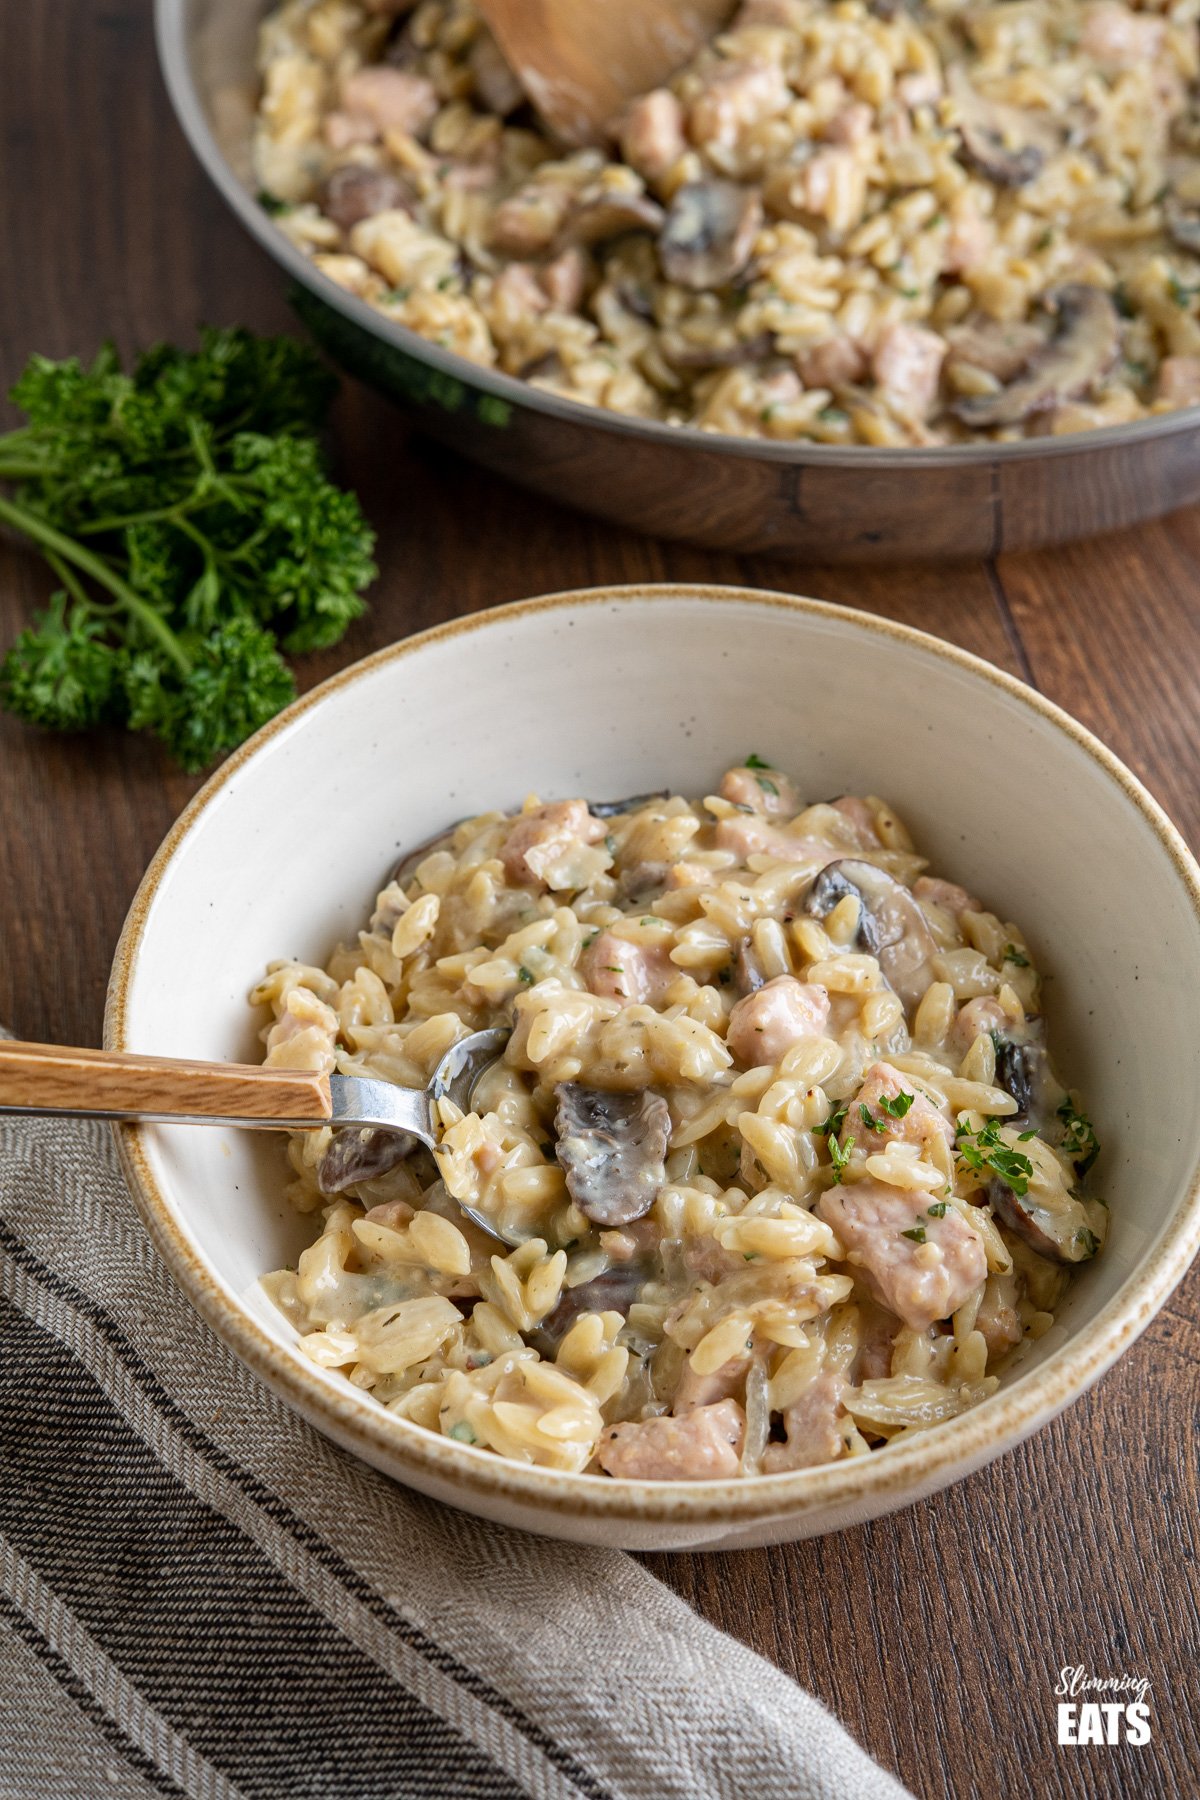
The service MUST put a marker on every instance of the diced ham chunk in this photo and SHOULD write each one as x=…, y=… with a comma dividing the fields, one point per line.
x=812, y=1427
x=705, y=1445
x=922, y=1278
x=946, y=894
x=850, y=124
x=832, y=364
x=634, y=973
x=540, y=844
x=763, y=790
x=852, y=807
x=651, y=133
x=972, y=1020
x=907, y=364
x=393, y=99
x=706, y=1390
x=1115, y=35
x=921, y=1122
x=1179, y=380
x=751, y=836
x=737, y=94
x=764, y=1026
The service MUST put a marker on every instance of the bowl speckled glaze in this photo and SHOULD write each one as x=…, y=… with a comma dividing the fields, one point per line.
x=741, y=494
x=615, y=691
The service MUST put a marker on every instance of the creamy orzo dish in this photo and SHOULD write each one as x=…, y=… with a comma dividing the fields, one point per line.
x=889, y=223
x=783, y=1166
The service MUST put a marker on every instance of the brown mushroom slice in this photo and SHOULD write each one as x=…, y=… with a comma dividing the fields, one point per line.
x=610, y=214
x=986, y=128
x=999, y=347
x=614, y=1291
x=1071, y=1234
x=1084, y=347
x=748, y=975
x=353, y=192
x=709, y=234
x=891, y=925
x=356, y=1155
x=612, y=1148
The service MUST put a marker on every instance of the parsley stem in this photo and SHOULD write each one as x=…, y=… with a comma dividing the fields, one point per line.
x=32, y=526
x=69, y=579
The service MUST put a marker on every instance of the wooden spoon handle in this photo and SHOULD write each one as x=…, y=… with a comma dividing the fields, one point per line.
x=39, y=1078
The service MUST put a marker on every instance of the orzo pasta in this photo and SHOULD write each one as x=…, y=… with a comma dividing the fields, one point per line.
x=780, y=1161
x=895, y=223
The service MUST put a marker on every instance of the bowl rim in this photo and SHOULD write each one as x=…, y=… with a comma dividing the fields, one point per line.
x=171, y=38
x=947, y=1451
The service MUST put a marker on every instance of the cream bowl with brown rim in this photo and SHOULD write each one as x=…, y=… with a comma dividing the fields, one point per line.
x=617, y=691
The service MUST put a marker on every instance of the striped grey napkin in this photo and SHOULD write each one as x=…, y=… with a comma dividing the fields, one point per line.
x=201, y=1596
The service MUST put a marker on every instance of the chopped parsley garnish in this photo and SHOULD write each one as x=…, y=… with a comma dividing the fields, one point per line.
x=272, y=204
x=523, y=974
x=1015, y=956
x=463, y=1432
x=768, y=787
x=833, y=1123
x=1079, y=1138
x=755, y=762
x=985, y=1151
x=1088, y=1241
x=917, y=1234
x=1181, y=294
x=938, y=1209
x=892, y=1108
x=839, y=1157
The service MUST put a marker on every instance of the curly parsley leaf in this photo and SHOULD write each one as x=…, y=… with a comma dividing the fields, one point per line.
x=186, y=512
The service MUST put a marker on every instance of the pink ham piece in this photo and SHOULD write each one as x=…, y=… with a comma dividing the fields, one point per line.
x=920, y=1278
x=705, y=1445
x=762, y=790
x=764, y=1026
x=538, y=839
x=919, y=1123
x=631, y=973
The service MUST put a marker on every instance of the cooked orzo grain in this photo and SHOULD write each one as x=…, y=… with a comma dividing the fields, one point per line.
x=783, y=1169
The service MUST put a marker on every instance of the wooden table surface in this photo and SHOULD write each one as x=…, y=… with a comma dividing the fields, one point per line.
x=935, y=1635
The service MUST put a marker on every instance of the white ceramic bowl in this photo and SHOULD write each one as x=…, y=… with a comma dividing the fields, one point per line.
x=618, y=691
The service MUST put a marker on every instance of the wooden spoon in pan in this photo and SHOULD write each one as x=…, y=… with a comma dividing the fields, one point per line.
x=580, y=61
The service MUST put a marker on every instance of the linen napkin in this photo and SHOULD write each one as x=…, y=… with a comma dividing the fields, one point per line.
x=201, y=1596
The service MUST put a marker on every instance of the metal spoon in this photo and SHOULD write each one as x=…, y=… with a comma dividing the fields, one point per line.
x=49, y=1081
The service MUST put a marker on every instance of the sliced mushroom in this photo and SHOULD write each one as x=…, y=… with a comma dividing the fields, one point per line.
x=614, y=1291
x=748, y=975
x=354, y=192
x=611, y=809
x=1084, y=347
x=612, y=1148
x=985, y=129
x=891, y=925
x=1072, y=1234
x=999, y=347
x=357, y=1155
x=709, y=234
x=1024, y=1070
x=610, y=214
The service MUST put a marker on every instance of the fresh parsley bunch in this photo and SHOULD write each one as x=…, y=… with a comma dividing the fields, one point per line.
x=185, y=510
